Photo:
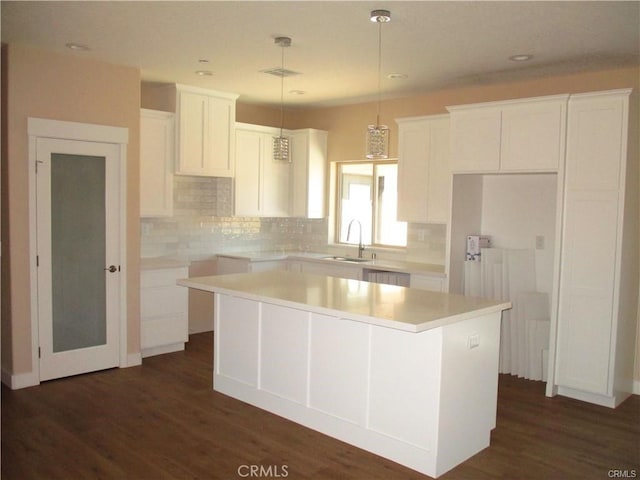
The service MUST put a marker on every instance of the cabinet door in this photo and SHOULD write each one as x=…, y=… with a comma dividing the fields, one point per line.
x=413, y=170
x=193, y=125
x=156, y=163
x=589, y=257
x=309, y=165
x=475, y=140
x=439, y=165
x=424, y=175
x=221, y=132
x=533, y=136
x=274, y=183
x=206, y=126
x=249, y=150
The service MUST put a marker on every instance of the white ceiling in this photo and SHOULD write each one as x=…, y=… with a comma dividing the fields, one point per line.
x=437, y=44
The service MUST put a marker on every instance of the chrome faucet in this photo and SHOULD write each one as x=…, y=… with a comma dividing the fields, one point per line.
x=360, y=244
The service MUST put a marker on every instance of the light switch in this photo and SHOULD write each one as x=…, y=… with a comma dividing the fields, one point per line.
x=474, y=341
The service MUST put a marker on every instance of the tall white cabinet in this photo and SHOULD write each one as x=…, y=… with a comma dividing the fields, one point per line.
x=587, y=146
x=599, y=257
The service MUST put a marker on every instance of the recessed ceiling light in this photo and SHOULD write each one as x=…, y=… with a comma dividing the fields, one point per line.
x=203, y=60
x=204, y=73
x=397, y=76
x=521, y=57
x=297, y=92
x=77, y=47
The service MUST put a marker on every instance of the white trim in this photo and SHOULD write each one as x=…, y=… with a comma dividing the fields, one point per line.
x=636, y=387
x=46, y=128
x=42, y=127
x=20, y=380
x=133, y=359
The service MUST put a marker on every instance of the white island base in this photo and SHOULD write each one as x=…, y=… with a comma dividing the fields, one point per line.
x=424, y=398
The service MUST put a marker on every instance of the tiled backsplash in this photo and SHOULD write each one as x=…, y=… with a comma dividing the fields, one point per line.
x=202, y=225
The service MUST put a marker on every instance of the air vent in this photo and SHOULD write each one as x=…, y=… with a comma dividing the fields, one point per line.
x=280, y=72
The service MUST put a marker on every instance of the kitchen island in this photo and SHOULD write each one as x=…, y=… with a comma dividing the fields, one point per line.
x=407, y=374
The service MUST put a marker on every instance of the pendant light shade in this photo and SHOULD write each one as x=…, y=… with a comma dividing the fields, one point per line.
x=377, y=145
x=281, y=143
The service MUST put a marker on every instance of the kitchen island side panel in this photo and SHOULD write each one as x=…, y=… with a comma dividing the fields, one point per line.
x=392, y=401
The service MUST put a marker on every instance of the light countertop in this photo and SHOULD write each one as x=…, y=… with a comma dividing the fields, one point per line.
x=391, y=306
x=373, y=264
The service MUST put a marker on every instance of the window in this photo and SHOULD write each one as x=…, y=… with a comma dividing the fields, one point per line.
x=368, y=200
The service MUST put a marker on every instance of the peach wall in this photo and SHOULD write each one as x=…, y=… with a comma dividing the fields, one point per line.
x=70, y=88
x=347, y=124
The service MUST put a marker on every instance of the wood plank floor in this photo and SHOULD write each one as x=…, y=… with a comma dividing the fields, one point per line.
x=163, y=421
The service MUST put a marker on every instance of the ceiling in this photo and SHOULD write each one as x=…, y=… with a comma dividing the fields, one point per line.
x=334, y=45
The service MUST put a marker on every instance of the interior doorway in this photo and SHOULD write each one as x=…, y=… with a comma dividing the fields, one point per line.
x=78, y=301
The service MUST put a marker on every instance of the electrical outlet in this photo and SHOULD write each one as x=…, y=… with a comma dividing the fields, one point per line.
x=421, y=234
x=539, y=242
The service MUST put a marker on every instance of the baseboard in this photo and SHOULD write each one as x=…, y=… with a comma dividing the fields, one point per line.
x=133, y=360
x=636, y=387
x=20, y=380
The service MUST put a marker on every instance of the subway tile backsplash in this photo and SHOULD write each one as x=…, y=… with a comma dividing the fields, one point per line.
x=203, y=225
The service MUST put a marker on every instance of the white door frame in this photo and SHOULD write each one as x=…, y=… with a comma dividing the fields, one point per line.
x=44, y=128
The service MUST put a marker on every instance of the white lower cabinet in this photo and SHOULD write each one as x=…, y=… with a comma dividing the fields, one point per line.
x=598, y=296
x=164, y=311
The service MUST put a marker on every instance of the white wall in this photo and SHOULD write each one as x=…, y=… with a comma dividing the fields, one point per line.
x=516, y=209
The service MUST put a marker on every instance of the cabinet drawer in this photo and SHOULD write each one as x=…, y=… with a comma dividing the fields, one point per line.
x=162, y=301
x=164, y=331
x=162, y=277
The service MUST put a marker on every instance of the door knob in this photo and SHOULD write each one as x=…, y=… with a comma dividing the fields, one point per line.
x=112, y=268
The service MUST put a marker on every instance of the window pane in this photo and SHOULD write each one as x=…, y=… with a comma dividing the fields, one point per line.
x=388, y=230
x=356, y=202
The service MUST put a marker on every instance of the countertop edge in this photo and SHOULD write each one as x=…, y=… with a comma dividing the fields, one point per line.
x=397, y=325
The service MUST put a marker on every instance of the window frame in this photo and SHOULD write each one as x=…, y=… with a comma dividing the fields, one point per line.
x=374, y=201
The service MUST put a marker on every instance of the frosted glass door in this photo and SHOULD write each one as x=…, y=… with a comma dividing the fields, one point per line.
x=78, y=251
x=78, y=237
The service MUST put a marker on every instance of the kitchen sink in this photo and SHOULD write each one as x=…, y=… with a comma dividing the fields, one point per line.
x=348, y=259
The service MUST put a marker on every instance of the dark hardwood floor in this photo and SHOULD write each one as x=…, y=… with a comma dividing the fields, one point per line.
x=163, y=421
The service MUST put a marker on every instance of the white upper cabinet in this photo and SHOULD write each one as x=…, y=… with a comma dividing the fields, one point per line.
x=261, y=183
x=156, y=163
x=598, y=300
x=308, y=179
x=424, y=175
x=205, y=132
x=513, y=136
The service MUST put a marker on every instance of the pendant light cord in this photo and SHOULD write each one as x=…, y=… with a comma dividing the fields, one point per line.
x=379, y=71
x=282, y=92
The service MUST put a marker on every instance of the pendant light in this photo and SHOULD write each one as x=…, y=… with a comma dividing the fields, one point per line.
x=281, y=143
x=378, y=135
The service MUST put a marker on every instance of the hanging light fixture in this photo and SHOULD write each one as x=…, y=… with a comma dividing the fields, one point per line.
x=281, y=143
x=378, y=135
